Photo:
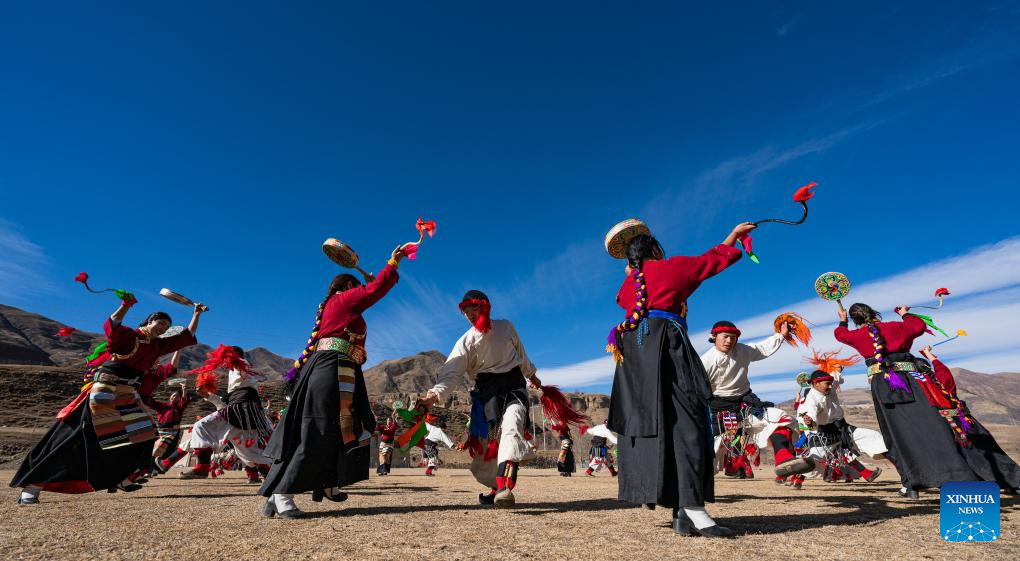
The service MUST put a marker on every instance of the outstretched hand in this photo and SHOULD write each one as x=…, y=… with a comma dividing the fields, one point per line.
x=842, y=314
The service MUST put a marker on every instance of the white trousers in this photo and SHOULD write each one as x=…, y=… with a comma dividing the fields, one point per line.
x=213, y=430
x=512, y=446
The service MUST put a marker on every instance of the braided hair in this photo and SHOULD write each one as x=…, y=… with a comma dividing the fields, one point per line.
x=641, y=248
x=864, y=315
x=339, y=283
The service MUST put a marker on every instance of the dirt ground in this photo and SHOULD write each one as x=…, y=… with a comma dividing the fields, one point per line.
x=409, y=516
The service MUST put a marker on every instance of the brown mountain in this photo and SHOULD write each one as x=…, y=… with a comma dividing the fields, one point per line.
x=993, y=398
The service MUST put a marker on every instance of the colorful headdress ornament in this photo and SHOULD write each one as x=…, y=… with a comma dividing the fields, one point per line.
x=227, y=357
x=799, y=330
x=830, y=362
x=617, y=239
x=724, y=327
x=483, y=323
x=820, y=376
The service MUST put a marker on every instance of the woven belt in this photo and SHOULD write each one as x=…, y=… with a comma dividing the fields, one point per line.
x=105, y=378
x=355, y=353
x=896, y=367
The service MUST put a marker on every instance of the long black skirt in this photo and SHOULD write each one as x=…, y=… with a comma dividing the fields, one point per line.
x=69, y=459
x=566, y=462
x=306, y=446
x=660, y=408
x=922, y=446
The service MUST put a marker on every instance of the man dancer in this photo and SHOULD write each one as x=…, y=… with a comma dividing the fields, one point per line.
x=435, y=436
x=726, y=364
x=491, y=353
x=601, y=453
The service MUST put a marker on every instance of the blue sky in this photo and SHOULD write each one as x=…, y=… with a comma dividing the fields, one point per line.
x=211, y=149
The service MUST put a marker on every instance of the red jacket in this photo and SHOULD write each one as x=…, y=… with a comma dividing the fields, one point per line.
x=899, y=336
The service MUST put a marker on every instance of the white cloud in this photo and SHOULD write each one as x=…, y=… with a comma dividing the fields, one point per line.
x=21, y=265
x=985, y=301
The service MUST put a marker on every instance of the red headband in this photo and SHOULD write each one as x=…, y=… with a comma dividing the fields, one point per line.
x=483, y=323
x=826, y=378
x=726, y=329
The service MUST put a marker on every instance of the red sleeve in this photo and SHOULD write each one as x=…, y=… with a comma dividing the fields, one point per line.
x=944, y=376
x=713, y=262
x=116, y=335
x=842, y=335
x=915, y=326
x=160, y=407
x=163, y=372
x=177, y=342
x=363, y=297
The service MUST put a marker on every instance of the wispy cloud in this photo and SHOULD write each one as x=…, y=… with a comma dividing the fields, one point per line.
x=784, y=30
x=22, y=265
x=419, y=316
x=985, y=302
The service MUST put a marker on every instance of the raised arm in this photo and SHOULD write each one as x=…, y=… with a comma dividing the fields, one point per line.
x=765, y=348
x=361, y=298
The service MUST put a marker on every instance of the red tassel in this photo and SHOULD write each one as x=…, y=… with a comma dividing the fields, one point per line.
x=474, y=446
x=583, y=429
x=527, y=435
x=208, y=381
x=557, y=407
x=65, y=331
x=225, y=357
x=492, y=451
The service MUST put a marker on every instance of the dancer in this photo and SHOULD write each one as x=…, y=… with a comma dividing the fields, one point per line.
x=491, y=354
x=103, y=436
x=321, y=444
x=241, y=419
x=727, y=364
x=984, y=454
x=927, y=433
x=566, y=465
x=601, y=453
x=386, y=434
x=433, y=439
x=823, y=412
x=661, y=395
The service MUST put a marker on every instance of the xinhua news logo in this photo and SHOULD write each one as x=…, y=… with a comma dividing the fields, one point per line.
x=969, y=511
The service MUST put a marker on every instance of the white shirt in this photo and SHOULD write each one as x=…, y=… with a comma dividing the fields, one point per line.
x=236, y=379
x=727, y=372
x=499, y=350
x=603, y=431
x=437, y=434
x=823, y=409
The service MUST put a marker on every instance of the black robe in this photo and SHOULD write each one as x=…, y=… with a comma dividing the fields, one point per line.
x=921, y=443
x=660, y=409
x=69, y=458
x=306, y=446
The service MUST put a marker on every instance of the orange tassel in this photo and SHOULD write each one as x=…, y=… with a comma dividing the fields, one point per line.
x=828, y=362
x=799, y=330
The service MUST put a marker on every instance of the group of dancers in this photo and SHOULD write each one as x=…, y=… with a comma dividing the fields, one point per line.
x=673, y=414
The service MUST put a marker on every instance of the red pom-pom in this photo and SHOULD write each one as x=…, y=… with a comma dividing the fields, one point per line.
x=82, y=278
x=65, y=331
x=942, y=292
x=804, y=194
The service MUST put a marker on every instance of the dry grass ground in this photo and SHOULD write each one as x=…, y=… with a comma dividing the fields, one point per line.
x=408, y=516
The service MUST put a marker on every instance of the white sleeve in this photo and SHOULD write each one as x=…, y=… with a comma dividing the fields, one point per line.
x=766, y=348
x=527, y=368
x=809, y=407
x=445, y=438
x=216, y=400
x=454, y=369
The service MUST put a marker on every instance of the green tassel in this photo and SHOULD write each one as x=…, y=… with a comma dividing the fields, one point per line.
x=931, y=323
